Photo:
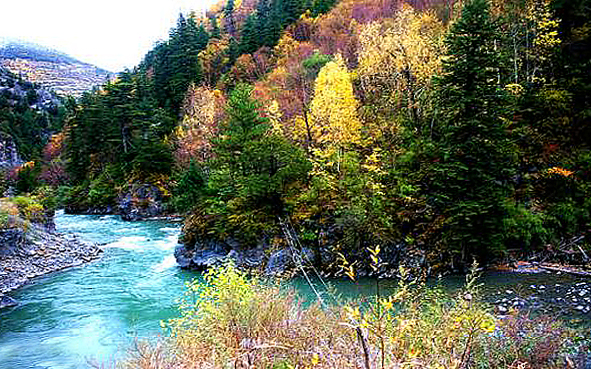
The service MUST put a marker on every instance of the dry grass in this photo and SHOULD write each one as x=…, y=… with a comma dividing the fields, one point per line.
x=234, y=321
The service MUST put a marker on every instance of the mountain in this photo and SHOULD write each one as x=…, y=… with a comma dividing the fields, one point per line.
x=28, y=115
x=50, y=68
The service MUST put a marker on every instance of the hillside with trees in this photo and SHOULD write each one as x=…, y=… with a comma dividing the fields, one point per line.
x=28, y=116
x=439, y=131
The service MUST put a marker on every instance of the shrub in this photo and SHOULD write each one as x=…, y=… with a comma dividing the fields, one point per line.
x=47, y=196
x=30, y=209
x=102, y=191
x=230, y=319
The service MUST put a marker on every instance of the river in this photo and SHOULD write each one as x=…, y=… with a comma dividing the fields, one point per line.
x=96, y=311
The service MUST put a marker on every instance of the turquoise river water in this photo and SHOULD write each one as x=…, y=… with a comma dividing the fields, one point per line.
x=93, y=313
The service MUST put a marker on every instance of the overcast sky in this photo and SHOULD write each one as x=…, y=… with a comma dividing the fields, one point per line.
x=112, y=34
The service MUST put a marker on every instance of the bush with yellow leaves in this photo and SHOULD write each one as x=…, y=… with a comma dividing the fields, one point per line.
x=229, y=319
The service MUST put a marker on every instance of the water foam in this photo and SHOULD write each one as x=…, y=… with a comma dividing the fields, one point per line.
x=168, y=262
x=128, y=243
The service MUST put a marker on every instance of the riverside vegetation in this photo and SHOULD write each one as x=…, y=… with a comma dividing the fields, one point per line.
x=233, y=320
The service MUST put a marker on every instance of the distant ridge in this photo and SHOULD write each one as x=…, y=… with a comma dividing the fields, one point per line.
x=51, y=68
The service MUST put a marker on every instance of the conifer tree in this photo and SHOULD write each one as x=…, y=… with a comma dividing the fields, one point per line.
x=322, y=6
x=215, y=28
x=291, y=10
x=233, y=50
x=471, y=181
x=202, y=37
x=251, y=164
x=271, y=29
x=250, y=37
x=229, y=17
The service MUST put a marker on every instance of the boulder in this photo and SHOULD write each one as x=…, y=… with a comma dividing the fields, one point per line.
x=279, y=262
x=182, y=256
x=9, y=157
x=284, y=260
x=141, y=201
x=11, y=239
x=203, y=256
x=247, y=258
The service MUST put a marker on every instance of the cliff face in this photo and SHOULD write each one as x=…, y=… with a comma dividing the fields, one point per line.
x=49, y=68
x=9, y=156
x=28, y=112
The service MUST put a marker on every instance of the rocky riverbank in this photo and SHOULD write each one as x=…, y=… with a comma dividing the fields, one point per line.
x=27, y=253
x=284, y=255
x=139, y=201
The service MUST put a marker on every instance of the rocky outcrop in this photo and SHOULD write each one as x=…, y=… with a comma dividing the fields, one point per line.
x=92, y=210
x=7, y=301
x=141, y=201
x=32, y=251
x=268, y=260
x=202, y=253
x=9, y=157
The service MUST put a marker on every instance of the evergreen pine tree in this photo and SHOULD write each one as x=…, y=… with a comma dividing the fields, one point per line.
x=250, y=38
x=229, y=17
x=202, y=38
x=215, y=28
x=263, y=13
x=250, y=163
x=471, y=181
x=291, y=10
x=233, y=50
x=271, y=30
x=322, y=6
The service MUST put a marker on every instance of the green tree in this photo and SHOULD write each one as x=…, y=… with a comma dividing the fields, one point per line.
x=253, y=169
x=215, y=28
x=229, y=17
x=322, y=6
x=291, y=10
x=472, y=178
x=250, y=39
x=269, y=22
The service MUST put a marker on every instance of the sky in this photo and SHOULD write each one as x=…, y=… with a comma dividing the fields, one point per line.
x=111, y=34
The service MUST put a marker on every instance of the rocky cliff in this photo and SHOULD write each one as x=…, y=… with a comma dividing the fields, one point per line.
x=28, y=113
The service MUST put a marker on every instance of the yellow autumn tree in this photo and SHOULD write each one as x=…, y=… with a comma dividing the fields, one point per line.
x=202, y=111
x=398, y=58
x=334, y=107
x=213, y=59
x=546, y=39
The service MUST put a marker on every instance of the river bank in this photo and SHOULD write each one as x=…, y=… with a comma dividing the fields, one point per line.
x=34, y=251
x=99, y=310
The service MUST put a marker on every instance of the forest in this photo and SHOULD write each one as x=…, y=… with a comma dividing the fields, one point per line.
x=459, y=129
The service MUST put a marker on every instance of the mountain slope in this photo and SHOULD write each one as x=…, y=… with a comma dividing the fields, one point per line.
x=28, y=113
x=63, y=73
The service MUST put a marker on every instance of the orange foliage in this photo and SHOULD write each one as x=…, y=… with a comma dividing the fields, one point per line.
x=252, y=67
x=288, y=85
x=212, y=59
x=203, y=110
x=54, y=147
x=337, y=32
x=560, y=171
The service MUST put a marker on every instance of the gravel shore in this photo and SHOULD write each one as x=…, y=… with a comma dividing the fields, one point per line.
x=29, y=253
